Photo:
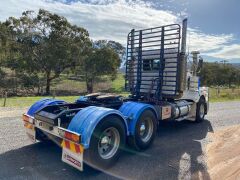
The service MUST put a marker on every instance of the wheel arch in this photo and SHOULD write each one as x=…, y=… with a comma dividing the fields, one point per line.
x=202, y=97
x=133, y=110
x=43, y=103
x=86, y=120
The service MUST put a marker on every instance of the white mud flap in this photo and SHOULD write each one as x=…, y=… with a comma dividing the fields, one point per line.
x=72, y=154
x=73, y=159
x=31, y=132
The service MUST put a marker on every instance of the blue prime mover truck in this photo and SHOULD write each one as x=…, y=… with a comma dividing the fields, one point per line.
x=98, y=127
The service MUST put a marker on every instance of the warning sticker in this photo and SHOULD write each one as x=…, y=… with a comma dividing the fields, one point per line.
x=166, y=112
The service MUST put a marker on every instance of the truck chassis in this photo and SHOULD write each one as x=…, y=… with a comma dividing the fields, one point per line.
x=96, y=128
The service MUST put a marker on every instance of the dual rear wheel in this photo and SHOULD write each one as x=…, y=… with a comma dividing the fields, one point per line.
x=145, y=131
x=109, y=137
x=107, y=143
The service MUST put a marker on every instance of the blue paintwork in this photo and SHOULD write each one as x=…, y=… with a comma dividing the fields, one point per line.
x=133, y=110
x=85, y=121
x=43, y=103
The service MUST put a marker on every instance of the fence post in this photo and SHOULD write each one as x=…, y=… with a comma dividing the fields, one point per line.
x=218, y=91
x=5, y=99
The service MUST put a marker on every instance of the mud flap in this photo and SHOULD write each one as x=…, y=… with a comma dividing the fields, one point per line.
x=31, y=132
x=72, y=158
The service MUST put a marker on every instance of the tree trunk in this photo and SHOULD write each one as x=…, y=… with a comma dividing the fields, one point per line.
x=89, y=84
x=48, y=84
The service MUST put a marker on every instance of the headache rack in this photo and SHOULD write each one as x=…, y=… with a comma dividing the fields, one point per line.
x=155, y=64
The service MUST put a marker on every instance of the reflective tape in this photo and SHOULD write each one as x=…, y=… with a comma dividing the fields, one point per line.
x=77, y=148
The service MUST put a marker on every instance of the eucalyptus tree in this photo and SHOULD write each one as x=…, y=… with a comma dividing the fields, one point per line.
x=47, y=43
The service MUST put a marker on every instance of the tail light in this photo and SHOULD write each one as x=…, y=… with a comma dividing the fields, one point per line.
x=28, y=125
x=72, y=136
x=28, y=118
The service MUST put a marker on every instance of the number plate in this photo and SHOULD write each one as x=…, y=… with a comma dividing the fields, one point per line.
x=73, y=159
x=44, y=125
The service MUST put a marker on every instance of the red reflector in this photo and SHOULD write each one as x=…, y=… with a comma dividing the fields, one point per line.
x=68, y=135
x=71, y=136
x=25, y=118
x=75, y=137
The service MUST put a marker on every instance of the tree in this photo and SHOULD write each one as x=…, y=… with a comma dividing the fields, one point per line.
x=116, y=46
x=101, y=61
x=5, y=41
x=216, y=74
x=46, y=43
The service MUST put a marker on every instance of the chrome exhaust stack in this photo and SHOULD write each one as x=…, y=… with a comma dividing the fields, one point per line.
x=183, y=61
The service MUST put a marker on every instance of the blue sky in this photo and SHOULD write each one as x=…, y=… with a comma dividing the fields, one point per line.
x=214, y=27
x=212, y=16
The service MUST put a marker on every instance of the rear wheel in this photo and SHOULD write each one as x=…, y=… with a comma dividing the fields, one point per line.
x=40, y=136
x=200, y=111
x=106, y=143
x=145, y=131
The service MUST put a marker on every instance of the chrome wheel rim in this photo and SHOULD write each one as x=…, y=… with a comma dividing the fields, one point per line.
x=202, y=111
x=109, y=143
x=146, y=129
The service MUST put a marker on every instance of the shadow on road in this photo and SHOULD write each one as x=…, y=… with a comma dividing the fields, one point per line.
x=184, y=150
x=176, y=154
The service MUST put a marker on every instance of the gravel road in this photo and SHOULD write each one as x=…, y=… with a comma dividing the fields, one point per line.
x=177, y=153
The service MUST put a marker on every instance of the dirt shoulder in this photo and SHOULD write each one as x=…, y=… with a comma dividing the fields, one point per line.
x=8, y=112
x=223, y=154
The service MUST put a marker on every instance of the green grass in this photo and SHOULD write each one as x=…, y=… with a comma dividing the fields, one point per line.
x=118, y=83
x=28, y=101
x=75, y=88
x=224, y=100
x=69, y=87
x=225, y=94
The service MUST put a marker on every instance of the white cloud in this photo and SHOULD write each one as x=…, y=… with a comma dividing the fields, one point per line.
x=227, y=52
x=203, y=42
x=113, y=19
x=108, y=20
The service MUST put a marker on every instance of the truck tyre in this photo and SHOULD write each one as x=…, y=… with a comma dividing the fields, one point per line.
x=200, y=111
x=106, y=144
x=40, y=136
x=145, y=131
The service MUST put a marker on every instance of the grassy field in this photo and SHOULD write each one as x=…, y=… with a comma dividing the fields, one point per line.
x=76, y=88
x=224, y=94
x=117, y=86
x=28, y=101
